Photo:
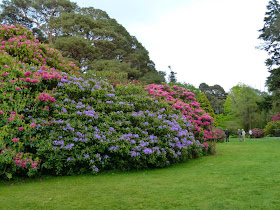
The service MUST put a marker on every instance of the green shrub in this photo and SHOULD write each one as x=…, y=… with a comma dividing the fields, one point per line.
x=273, y=128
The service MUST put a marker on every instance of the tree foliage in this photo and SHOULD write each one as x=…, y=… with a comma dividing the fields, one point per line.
x=242, y=103
x=35, y=14
x=205, y=104
x=216, y=96
x=172, y=76
x=270, y=35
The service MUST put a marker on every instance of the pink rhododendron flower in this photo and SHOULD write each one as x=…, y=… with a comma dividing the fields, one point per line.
x=20, y=128
x=34, y=81
x=1, y=112
x=15, y=140
x=17, y=88
x=11, y=118
x=27, y=73
x=5, y=74
x=23, y=164
x=33, y=125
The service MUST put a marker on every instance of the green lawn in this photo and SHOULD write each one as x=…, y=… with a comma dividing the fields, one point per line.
x=243, y=175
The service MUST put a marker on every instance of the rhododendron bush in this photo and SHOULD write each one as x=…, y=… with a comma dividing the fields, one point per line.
x=220, y=135
x=183, y=100
x=52, y=121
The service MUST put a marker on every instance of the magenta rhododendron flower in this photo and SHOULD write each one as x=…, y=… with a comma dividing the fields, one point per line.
x=1, y=112
x=34, y=81
x=11, y=118
x=15, y=140
x=17, y=88
x=5, y=74
x=20, y=128
x=46, y=97
x=27, y=73
x=33, y=125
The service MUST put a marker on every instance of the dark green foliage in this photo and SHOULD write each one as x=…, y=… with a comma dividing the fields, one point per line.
x=172, y=76
x=205, y=104
x=270, y=35
x=216, y=96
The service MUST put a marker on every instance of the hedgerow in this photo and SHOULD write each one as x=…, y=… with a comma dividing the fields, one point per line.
x=52, y=121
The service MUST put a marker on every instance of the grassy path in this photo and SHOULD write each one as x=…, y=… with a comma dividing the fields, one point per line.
x=243, y=175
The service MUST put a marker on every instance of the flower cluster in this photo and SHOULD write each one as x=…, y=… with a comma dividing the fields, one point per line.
x=276, y=117
x=183, y=100
x=20, y=42
x=46, y=97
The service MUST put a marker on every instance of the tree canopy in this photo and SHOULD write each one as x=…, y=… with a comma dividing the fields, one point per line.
x=216, y=96
x=242, y=102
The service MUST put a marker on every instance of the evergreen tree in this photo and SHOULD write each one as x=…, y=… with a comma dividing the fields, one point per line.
x=216, y=96
x=172, y=76
x=270, y=34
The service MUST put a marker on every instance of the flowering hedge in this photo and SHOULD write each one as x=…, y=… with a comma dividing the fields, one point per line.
x=183, y=100
x=55, y=122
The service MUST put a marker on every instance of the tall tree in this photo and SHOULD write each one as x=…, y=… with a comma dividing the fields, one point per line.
x=205, y=104
x=35, y=14
x=270, y=34
x=172, y=76
x=242, y=102
x=216, y=96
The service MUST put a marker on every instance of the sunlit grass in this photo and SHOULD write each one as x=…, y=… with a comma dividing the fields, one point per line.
x=243, y=175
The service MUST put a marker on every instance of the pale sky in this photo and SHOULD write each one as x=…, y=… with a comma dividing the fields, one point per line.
x=211, y=41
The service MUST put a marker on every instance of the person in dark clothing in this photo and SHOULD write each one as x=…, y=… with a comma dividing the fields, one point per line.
x=227, y=135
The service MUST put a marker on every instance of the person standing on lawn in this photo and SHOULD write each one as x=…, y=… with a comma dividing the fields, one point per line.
x=250, y=133
x=243, y=133
x=227, y=135
x=239, y=133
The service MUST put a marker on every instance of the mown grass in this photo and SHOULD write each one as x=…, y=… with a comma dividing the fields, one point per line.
x=243, y=175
